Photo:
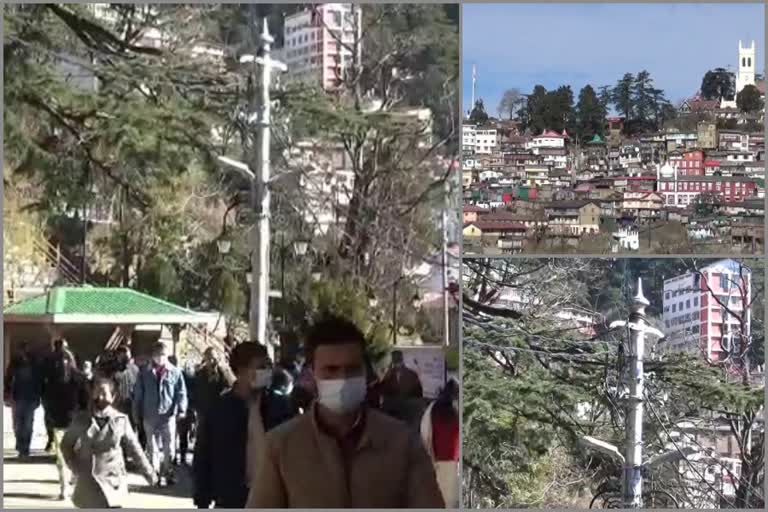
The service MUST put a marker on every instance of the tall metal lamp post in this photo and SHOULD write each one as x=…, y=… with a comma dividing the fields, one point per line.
x=258, y=174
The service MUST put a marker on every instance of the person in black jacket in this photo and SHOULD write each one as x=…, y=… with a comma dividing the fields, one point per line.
x=209, y=383
x=234, y=430
x=22, y=391
x=279, y=405
x=65, y=393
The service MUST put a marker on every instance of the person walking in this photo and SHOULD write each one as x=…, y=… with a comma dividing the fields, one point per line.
x=160, y=398
x=22, y=389
x=401, y=390
x=305, y=389
x=440, y=434
x=126, y=375
x=88, y=372
x=95, y=448
x=186, y=424
x=342, y=454
x=51, y=362
x=234, y=431
x=281, y=406
x=209, y=384
x=65, y=393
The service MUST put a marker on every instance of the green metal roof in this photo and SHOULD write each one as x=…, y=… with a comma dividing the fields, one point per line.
x=105, y=303
x=595, y=140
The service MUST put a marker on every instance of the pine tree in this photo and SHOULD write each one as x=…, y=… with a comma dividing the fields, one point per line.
x=590, y=116
x=478, y=114
x=622, y=97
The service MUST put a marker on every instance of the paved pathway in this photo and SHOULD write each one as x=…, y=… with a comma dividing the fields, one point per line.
x=34, y=483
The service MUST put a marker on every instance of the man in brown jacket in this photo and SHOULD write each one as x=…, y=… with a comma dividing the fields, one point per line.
x=401, y=391
x=340, y=454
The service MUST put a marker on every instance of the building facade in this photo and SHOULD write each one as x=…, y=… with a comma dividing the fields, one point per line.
x=320, y=43
x=695, y=315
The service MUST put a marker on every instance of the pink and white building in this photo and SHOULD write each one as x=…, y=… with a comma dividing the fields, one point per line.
x=694, y=315
x=319, y=43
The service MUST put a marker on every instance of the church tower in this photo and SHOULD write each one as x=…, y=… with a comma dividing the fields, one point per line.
x=746, y=74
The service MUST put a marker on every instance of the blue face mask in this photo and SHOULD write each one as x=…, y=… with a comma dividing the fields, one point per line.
x=342, y=396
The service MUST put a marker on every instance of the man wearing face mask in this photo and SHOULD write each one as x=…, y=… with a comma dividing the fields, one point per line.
x=340, y=454
x=234, y=431
x=160, y=397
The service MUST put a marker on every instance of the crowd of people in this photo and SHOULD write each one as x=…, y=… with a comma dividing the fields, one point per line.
x=321, y=430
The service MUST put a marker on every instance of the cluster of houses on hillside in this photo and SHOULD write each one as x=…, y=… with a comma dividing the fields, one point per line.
x=550, y=191
x=671, y=191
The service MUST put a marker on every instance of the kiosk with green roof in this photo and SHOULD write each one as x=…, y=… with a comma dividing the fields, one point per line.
x=92, y=318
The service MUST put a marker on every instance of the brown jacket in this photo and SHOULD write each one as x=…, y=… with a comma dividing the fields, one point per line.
x=402, y=383
x=97, y=457
x=302, y=467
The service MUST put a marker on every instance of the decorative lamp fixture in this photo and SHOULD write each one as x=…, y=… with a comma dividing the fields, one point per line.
x=224, y=245
x=301, y=247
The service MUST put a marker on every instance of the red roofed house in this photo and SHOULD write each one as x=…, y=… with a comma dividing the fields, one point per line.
x=471, y=213
x=548, y=139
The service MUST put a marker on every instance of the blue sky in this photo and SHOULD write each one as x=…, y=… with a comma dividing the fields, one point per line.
x=521, y=45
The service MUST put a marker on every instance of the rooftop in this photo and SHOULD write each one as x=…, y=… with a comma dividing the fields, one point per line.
x=91, y=305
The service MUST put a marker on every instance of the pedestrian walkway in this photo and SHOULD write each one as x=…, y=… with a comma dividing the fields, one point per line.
x=34, y=483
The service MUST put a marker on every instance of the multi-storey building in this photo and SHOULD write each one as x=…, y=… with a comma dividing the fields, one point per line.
x=680, y=191
x=479, y=141
x=708, y=311
x=548, y=139
x=690, y=163
x=486, y=142
x=321, y=43
x=733, y=140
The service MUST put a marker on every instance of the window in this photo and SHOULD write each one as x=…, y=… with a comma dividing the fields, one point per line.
x=725, y=282
x=688, y=304
x=674, y=307
x=695, y=301
x=749, y=62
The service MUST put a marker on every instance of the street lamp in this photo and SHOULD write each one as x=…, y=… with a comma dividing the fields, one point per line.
x=224, y=245
x=258, y=176
x=300, y=247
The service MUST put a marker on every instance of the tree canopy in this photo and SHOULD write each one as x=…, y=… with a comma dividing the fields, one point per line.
x=543, y=367
x=99, y=118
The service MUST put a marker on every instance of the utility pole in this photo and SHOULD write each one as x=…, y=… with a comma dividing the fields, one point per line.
x=84, y=262
x=394, y=312
x=260, y=193
x=444, y=229
x=632, y=459
x=632, y=483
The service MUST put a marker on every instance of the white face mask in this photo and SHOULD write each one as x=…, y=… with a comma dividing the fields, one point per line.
x=341, y=395
x=262, y=379
x=160, y=360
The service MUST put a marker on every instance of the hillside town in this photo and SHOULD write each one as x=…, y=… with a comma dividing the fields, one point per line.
x=691, y=184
